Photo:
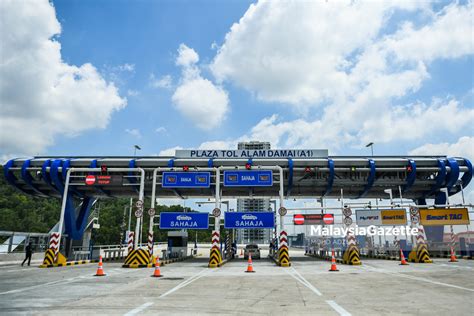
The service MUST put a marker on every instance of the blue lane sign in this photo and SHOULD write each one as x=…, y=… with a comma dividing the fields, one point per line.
x=248, y=178
x=186, y=180
x=172, y=220
x=249, y=220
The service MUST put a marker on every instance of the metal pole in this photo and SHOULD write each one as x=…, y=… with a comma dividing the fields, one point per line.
x=282, y=225
x=218, y=199
x=63, y=207
x=130, y=214
x=140, y=197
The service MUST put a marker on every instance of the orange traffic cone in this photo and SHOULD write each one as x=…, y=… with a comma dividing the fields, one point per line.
x=249, y=265
x=100, y=270
x=333, y=263
x=403, y=262
x=157, y=273
x=453, y=256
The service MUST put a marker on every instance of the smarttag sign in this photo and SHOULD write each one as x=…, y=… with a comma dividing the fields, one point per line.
x=186, y=180
x=173, y=220
x=450, y=216
x=381, y=217
x=248, y=178
x=249, y=220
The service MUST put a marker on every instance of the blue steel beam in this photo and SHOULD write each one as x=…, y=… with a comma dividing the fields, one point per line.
x=370, y=179
x=46, y=177
x=10, y=177
x=453, y=175
x=440, y=177
x=330, y=177
x=26, y=176
x=411, y=176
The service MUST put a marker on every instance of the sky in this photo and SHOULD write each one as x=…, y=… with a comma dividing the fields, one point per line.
x=97, y=77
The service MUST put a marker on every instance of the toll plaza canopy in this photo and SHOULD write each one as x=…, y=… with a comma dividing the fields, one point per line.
x=418, y=177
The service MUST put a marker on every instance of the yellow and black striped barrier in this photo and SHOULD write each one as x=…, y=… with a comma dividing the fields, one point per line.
x=283, y=257
x=138, y=258
x=215, y=258
x=420, y=254
x=49, y=262
x=351, y=256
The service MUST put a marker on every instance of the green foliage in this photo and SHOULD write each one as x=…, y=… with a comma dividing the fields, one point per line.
x=23, y=213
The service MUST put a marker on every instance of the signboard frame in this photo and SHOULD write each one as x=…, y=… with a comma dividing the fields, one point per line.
x=248, y=183
x=178, y=184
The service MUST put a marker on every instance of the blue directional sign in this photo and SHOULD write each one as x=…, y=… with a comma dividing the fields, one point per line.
x=248, y=178
x=249, y=220
x=186, y=180
x=173, y=220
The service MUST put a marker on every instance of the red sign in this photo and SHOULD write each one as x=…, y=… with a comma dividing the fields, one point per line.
x=298, y=219
x=328, y=219
x=104, y=179
x=90, y=179
x=313, y=219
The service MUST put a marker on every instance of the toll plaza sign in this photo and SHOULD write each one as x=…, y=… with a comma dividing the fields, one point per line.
x=450, y=216
x=248, y=178
x=175, y=220
x=313, y=219
x=246, y=220
x=253, y=154
x=186, y=180
x=395, y=217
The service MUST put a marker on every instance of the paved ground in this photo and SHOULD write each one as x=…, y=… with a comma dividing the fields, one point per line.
x=307, y=288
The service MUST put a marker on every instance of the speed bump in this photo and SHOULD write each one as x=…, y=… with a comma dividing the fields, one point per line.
x=139, y=258
x=351, y=256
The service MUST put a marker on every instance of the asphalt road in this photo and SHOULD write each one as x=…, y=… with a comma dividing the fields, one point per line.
x=307, y=288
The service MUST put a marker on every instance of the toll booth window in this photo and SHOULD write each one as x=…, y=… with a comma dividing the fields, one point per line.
x=177, y=241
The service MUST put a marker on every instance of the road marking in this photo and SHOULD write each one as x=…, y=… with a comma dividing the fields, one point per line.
x=418, y=278
x=139, y=309
x=41, y=285
x=187, y=282
x=341, y=311
x=298, y=277
x=455, y=267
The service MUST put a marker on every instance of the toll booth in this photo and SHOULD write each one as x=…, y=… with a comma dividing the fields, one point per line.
x=177, y=244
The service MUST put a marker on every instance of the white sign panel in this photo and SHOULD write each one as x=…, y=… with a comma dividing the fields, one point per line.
x=253, y=154
x=368, y=217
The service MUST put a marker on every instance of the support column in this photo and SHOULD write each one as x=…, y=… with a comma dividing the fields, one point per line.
x=419, y=253
x=215, y=257
x=283, y=253
x=351, y=255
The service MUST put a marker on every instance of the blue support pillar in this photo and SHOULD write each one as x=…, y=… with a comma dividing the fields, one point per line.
x=330, y=177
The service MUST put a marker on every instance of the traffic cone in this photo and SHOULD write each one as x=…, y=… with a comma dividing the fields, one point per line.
x=157, y=273
x=403, y=262
x=100, y=270
x=453, y=256
x=249, y=265
x=333, y=263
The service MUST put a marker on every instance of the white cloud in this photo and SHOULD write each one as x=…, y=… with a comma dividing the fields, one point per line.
x=169, y=151
x=132, y=93
x=464, y=147
x=126, y=67
x=134, y=132
x=186, y=56
x=197, y=98
x=341, y=61
x=41, y=95
x=165, y=82
x=161, y=129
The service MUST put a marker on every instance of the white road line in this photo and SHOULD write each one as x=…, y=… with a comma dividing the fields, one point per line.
x=419, y=279
x=455, y=266
x=341, y=311
x=298, y=277
x=139, y=309
x=41, y=285
x=188, y=281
